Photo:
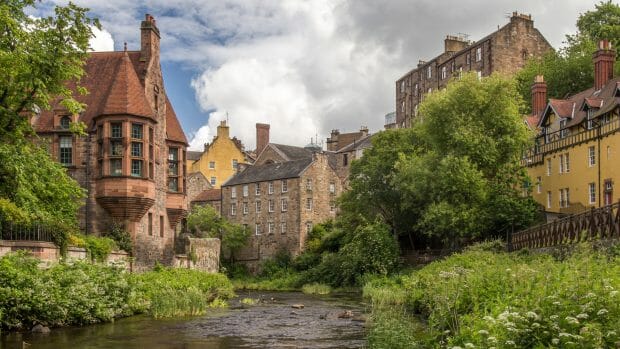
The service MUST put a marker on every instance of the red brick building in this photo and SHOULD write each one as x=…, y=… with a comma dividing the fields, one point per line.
x=132, y=161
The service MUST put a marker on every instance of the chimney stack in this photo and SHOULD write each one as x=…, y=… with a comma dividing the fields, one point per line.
x=603, y=59
x=539, y=95
x=222, y=130
x=149, y=39
x=262, y=137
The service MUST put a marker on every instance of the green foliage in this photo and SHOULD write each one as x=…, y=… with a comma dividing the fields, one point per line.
x=392, y=328
x=316, y=288
x=121, y=237
x=486, y=299
x=601, y=24
x=205, y=221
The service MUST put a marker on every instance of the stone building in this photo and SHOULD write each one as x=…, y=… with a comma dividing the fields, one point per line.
x=211, y=197
x=505, y=50
x=131, y=162
x=344, y=156
x=574, y=162
x=279, y=198
x=219, y=160
x=338, y=140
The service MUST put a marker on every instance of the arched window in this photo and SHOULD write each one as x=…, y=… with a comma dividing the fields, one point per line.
x=64, y=122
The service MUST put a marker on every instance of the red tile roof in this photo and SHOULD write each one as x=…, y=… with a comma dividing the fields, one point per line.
x=209, y=195
x=174, y=132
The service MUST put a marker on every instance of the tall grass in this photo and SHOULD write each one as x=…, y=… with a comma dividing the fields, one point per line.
x=488, y=299
x=316, y=288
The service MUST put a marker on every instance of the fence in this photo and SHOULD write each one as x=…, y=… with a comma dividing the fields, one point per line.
x=598, y=223
x=23, y=232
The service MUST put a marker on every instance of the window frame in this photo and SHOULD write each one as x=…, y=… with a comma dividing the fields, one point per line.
x=284, y=205
x=592, y=193
x=65, y=153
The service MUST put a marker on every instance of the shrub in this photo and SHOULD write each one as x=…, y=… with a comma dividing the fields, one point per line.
x=121, y=236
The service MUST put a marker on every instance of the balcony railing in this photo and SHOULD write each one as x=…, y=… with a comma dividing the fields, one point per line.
x=554, y=141
x=23, y=232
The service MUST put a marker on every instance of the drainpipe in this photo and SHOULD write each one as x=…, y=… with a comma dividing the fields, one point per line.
x=88, y=160
x=598, y=145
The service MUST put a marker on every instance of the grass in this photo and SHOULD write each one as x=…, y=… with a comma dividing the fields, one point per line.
x=489, y=299
x=316, y=288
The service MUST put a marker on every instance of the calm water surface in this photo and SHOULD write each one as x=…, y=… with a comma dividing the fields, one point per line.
x=271, y=323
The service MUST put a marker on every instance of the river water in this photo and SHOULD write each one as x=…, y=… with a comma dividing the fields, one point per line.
x=270, y=323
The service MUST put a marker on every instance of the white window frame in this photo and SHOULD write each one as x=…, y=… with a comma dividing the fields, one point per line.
x=284, y=185
x=563, y=129
x=271, y=205
x=233, y=192
x=332, y=188
x=308, y=183
x=245, y=191
x=429, y=72
x=246, y=208
x=257, y=189
x=283, y=227
x=548, y=167
x=258, y=206
x=309, y=204
x=270, y=227
x=478, y=54
x=257, y=230
x=561, y=163
x=592, y=193
x=591, y=156
x=213, y=180
x=233, y=209
x=270, y=187
x=284, y=205
x=308, y=227
x=549, y=199
x=444, y=72
x=566, y=163
x=235, y=164
x=211, y=165
x=539, y=184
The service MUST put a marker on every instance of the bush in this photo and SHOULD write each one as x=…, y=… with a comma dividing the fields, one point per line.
x=121, y=236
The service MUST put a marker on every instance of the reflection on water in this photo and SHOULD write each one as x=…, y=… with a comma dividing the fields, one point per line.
x=270, y=324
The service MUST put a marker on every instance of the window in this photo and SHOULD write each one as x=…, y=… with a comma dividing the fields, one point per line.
x=402, y=106
x=150, y=223
x=270, y=187
x=116, y=167
x=213, y=180
x=308, y=183
x=116, y=148
x=444, y=72
x=478, y=54
x=430, y=89
x=415, y=90
x=567, y=197
x=136, y=149
x=308, y=227
x=258, y=206
x=402, y=86
x=136, y=168
x=564, y=197
x=415, y=110
x=284, y=185
x=271, y=228
x=233, y=209
x=452, y=66
x=235, y=164
x=161, y=226
x=561, y=163
x=429, y=72
x=66, y=150
x=257, y=229
x=233, y=192
x=563, y=129
x=345, y=159
x=212, y=165
x=284, y=205
x=116, y=130
x=257, y=192
x=272, y=205
x=548, y=199
x=65, y=122
x=592, y=192
x=590, y=121
x=245, y=190
x=467, y=59
x=136, y=131
x=548, y=167
x=283, y=228
x=173, y=169
x=308, y=204
x=539, y=184
x=591, y=156
x=566, y=163
x=332, y=187
x=245, y=208
x=332, y=206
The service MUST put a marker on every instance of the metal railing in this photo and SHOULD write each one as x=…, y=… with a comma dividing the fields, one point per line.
x=26, y=232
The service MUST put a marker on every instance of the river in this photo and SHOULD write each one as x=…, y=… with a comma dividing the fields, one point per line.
x=270, y=323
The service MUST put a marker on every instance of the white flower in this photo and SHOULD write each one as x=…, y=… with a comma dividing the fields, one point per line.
x=483, y=332
x=457, y=347
x=564, y=334
x=556, y=303
x=602, y=312
x=610, y=334
x=582, y=316
x=571, y=320
x=492, y=339
x=531, y=315
x=613, y=293
x=510, y=343
x=555, y=341
x=469, y=345
x=488, y=318
x=535, y=325
x=590, y=295
x=553, y=317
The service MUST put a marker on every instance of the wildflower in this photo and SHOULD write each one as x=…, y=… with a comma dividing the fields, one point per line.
x=602, y=312
x=590, y=295
x=571, y=320
x=483, y=332
x=553, y=317
x=582, y=316
x=469, y=345
x=613, y=293
x=555, y=341
x=456, y=347
x=535, y=325
x=556, y=303
x=564, y=334
x=492, y=339
x=531, y=315
x=510, y=343
x=489, y=319
x=611, y=334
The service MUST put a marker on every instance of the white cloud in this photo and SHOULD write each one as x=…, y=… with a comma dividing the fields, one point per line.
x=102, y=41
x=202, y=136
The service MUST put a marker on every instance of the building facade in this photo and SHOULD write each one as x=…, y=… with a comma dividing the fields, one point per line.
x=280, y=198
x=505, y=50
x=131, y=162
x=218, y=162
x=575, y=161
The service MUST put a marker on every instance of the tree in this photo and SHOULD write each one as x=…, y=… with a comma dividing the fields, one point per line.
x=601, y=24
x=463, y=186
x=40, y=58
x=205, y=221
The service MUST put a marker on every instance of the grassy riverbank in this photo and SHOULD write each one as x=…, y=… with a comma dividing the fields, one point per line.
x=487, y=299
x=83, y=293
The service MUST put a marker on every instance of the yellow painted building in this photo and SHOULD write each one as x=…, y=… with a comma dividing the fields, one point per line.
x=576, y=160
x=220, y=158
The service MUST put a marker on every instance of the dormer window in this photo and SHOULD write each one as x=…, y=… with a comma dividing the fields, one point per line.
x=65, y=121
x=563, y=129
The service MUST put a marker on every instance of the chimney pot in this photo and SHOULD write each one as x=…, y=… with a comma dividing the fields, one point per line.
x=539, y=95
x=603, y=59
x=262, y=137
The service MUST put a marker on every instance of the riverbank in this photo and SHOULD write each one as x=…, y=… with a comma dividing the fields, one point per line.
x=484, y=299
x=83, y=293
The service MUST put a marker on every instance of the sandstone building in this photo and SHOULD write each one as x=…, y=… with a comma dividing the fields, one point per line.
x=279, y=198
x=219, y=160
x=504, y=50
x=132, y=161
x=574, y=164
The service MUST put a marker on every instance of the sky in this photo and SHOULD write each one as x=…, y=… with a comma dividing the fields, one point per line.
x=304, y=67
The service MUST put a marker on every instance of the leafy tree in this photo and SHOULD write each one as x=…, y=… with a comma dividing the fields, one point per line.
x=600, y=24
x=205, y=221
x=38, y=57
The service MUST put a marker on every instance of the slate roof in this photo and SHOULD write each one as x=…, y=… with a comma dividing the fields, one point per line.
x=209, y=195
x=363, y=143
x=271, y=171
x=290, y=152
x=193, y=155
